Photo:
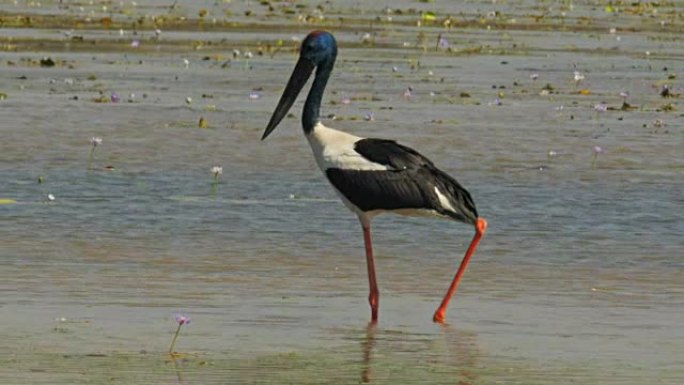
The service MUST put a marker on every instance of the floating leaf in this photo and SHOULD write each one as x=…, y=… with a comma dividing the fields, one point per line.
x=7, y=201
x=428, y=16
x=584, y=91
x=47, y=62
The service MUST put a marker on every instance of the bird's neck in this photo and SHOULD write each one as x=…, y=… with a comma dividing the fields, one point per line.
x=312, y=106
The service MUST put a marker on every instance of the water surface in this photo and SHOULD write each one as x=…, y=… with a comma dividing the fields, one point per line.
x=578, y=280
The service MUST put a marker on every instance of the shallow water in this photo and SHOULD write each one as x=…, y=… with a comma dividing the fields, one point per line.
x=578, y=280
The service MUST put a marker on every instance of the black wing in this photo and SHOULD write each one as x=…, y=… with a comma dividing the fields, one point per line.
x=409, y=184
x=381, y=190
x=391, y=153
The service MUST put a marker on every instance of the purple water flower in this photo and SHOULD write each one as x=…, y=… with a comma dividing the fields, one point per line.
x=345, y=100
x=254, y=95
x=96, y=141
x=370, y=116
x=182, y=319
x=601, y=107
x=115, y=98
x=496, y=102
x=135, y=43
x=442, y=42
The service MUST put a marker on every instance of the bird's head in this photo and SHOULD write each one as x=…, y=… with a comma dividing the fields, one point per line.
x=318, y=50
x=318, y=47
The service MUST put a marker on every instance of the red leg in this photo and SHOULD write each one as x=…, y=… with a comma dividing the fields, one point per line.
x=480, y=228
x=374, y=296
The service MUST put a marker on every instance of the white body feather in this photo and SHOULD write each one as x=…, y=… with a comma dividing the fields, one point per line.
x=335, y=149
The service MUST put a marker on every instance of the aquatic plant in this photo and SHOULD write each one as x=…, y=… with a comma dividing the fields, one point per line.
x=217, y=171
x=408, y=93
x=367, y=39
x=596, y=151
x=625, y=106
x=181, y=319
x=254, y=95
x=95, y=141
x=248, y=55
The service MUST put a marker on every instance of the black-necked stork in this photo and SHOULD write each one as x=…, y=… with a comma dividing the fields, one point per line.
x=373, y=176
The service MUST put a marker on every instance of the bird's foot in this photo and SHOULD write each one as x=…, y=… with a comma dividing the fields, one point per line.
x=374, y=315
x=439, y=317
x=374, y=301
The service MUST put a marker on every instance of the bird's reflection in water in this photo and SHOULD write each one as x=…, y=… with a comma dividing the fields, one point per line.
x=451, y=351
x=460, y=351
x=368, y=344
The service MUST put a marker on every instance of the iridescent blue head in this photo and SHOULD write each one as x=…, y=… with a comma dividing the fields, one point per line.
x=319, y=51
x=319, y=47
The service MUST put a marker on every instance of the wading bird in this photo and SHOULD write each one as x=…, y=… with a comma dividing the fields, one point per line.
x=373, y=176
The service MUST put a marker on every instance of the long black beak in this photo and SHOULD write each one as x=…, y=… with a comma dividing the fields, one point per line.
x=300, y=75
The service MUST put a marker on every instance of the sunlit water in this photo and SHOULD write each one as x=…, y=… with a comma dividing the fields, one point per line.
x=578, y=280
